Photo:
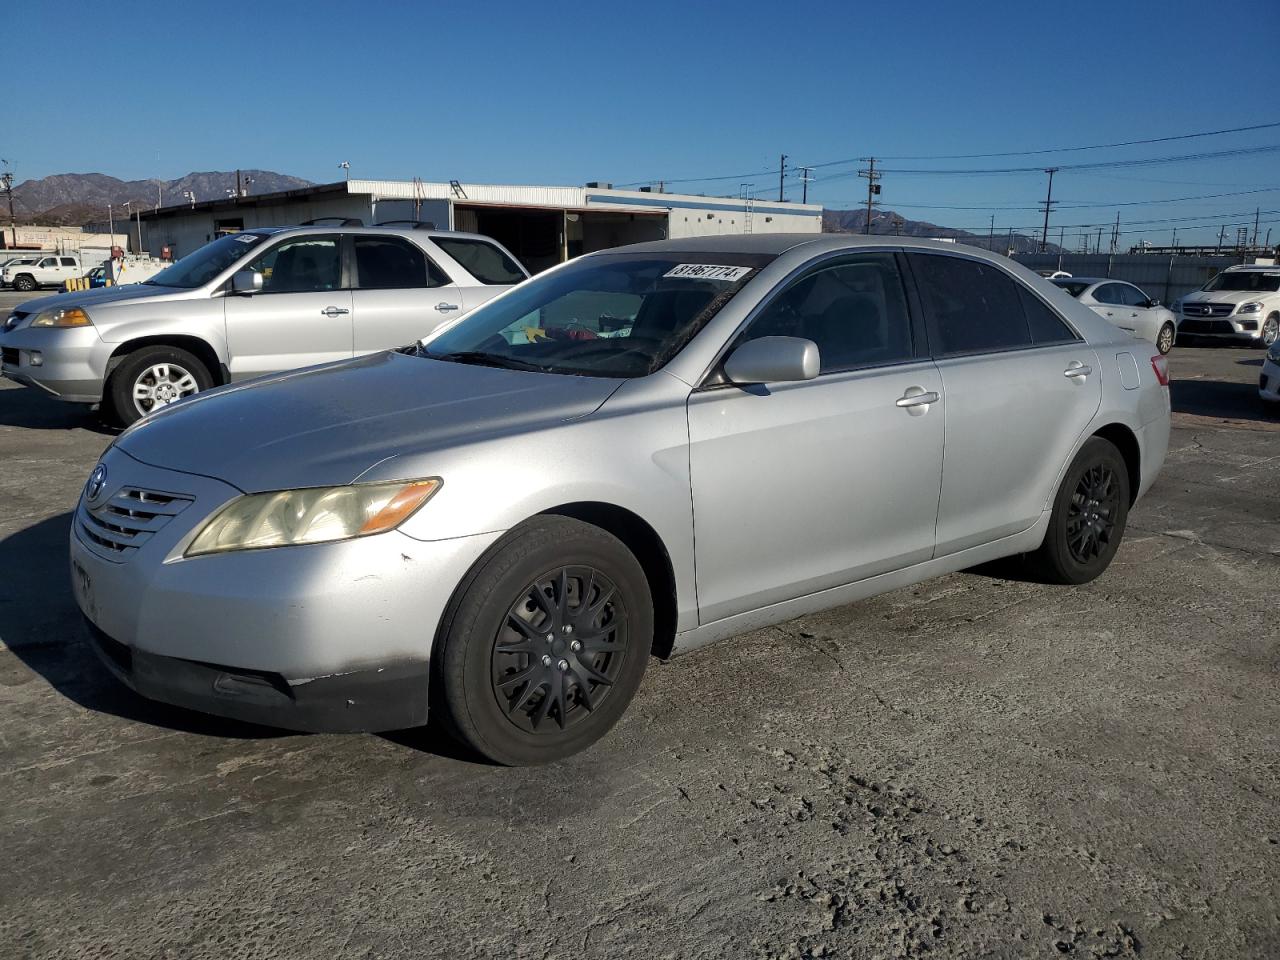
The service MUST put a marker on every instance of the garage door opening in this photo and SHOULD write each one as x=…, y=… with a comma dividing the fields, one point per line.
x=590, y=231
x=534, y=236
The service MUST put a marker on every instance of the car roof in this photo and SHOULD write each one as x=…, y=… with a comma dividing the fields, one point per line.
x=374, y=230
x=1252, y=268
x=1088, y=280
x=779, y=243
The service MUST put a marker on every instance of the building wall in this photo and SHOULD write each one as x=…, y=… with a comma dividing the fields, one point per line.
x=185, y=233
x=68, y=239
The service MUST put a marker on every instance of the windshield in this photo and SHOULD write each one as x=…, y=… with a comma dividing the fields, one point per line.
x=1073, y=287
x=1245, y=280
x=618, y=316
x=197, y=269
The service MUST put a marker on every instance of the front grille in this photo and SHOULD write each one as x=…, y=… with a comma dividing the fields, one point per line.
x=115, y=528
x=1205, y=326
x=9, y=356
x=1207, y=310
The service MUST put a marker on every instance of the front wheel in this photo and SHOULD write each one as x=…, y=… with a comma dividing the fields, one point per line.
x=151, y=378
x=545, y=647
x=1270, y=331
x=24, y=283
x=1165, y=338
x=1089, y=515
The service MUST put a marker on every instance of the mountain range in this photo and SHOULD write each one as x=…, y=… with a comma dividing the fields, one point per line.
x=65, y=199
x=885, y=222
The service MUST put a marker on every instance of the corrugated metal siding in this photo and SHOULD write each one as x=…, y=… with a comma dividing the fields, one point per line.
x=1165, y=278
x=475, y=193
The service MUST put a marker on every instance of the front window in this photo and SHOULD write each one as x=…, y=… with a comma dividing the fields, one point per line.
x=307, y=264
x=197, y=269
x=617, y=316
x=1245, y=281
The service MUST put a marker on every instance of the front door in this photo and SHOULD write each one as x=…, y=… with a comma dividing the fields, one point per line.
x=302, y=315
x=1020, y=387
x=799, y=487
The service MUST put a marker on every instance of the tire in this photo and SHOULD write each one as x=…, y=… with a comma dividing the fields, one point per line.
x=517, y=697
x=24, y=282
x=1270, y=331
x=1078, y=548
x=1165, y=338
x=141, y=369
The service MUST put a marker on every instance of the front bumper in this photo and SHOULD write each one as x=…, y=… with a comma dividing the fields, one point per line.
x=333, y=636
x=1269, y=381
x=72, y=365
x=1248, y=326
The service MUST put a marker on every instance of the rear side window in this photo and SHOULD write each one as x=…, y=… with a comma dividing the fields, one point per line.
x=1108, y=293
x=1132, y=296
x=68, y=262
x=972, y=307
x=483, y=260
x=390, y=263
x=1045, y=325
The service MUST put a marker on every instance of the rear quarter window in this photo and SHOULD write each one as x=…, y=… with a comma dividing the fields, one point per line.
x=483, y=260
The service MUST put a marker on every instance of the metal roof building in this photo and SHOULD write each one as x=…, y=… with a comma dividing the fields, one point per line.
x=542, y=226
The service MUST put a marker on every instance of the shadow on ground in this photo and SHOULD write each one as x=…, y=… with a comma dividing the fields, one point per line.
x=36, y=410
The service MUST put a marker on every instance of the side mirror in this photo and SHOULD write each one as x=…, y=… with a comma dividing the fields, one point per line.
x=773, y=360
x=1153, y=302
x=246, y=281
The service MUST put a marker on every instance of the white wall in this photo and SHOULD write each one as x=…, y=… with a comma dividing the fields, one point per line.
x=184, y=233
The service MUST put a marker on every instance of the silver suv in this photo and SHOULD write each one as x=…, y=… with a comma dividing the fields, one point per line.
x=252, y=303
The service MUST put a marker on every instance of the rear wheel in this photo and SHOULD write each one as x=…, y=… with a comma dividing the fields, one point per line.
x=545, y=647
x=25, y=283
x=151, y=378
x=1165, y=338
x=1089, y=516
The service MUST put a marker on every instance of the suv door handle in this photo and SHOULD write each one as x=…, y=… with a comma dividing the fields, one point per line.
x=916, y=397
x=332, y=312
x=1077, y=370
x=446, y=307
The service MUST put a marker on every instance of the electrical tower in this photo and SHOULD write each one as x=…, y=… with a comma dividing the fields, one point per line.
x=873, y=189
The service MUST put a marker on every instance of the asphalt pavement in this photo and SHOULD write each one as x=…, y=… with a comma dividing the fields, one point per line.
x=971, y=767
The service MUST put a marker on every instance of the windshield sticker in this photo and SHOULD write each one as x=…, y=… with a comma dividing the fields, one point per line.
x=246, y=238
x=708, y=271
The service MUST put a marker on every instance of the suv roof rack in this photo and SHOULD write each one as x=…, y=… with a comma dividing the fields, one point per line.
x=333, y=222
x=411, y=224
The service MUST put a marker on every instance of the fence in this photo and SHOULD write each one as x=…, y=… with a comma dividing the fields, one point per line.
x=1166, y=278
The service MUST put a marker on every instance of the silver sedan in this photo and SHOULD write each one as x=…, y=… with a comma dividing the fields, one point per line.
x=632, y=455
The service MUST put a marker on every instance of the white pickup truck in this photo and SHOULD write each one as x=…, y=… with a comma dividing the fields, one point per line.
x=51, y=270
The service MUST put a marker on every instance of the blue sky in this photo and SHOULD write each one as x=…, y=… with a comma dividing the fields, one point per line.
x=520, y=92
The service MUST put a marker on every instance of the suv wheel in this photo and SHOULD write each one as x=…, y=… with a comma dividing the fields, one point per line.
x=1089, y=516
x=1270, y=330
x=24, y=282
x=151, y=378
x=546, y=644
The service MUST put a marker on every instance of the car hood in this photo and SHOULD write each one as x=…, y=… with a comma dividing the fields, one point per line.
x=327, y=425
x=100, y=296
x=1225, y=296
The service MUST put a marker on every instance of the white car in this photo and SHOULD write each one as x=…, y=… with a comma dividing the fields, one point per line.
x=1126, y=306
x=49, y=271
x=1241, y=303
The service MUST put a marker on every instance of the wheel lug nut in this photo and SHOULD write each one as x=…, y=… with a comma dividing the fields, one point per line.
x=575, y=646
x=546, y=660
x=563, y=665
x=551, y=638
x=568, y=628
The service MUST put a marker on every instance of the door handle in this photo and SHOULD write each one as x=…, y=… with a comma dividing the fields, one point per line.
x=446, y=307
x=332, y=312
x=1110, y=314
x=916, y=397
x=1077, y=370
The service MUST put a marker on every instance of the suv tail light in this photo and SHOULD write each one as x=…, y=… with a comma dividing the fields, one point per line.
x=1160, y=364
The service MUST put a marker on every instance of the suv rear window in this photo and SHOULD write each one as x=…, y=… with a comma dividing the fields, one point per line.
x=483, y=260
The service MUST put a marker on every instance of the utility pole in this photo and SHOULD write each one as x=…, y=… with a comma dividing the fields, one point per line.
x=873, y=189
x=6, y=178
x=1098, y=246
x=897, y=225
x=991, y=236
x=804, y=179
x=159, y=195
x=1174, y=244
x=1222, y=234
x=782, y=172
x=239, y=186
x=1115, y=234
x=1257, y=211
x=111, y=225
x=1048, y=205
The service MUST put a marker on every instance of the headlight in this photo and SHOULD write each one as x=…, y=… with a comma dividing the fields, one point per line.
x=314, y=515
x=1251, y=307
x=67, y=317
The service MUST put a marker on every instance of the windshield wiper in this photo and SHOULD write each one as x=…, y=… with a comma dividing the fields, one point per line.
x=482, y=359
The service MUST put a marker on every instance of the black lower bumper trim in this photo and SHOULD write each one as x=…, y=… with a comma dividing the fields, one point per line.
x=390, y=697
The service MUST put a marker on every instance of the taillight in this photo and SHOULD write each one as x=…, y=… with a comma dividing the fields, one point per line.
x=1160, y=364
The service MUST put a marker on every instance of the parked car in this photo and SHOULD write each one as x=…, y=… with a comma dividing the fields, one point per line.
x=15, y=262
x=52, y=270
x=1126, y=306
x=249, y=304
x=1242, y=302
x=1269, y=380
x=504, y=517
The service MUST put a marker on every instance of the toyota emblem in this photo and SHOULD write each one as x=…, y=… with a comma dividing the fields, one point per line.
x=97, y=480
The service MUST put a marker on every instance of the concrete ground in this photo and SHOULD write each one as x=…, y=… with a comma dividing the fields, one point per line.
x=971, y=767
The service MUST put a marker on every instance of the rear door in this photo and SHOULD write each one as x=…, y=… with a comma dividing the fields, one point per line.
x=302, y=315
x=400, y=294
x=1019, y=387
x=489, y=269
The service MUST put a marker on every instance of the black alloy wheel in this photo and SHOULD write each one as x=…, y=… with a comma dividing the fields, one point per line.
x=1091, y=517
